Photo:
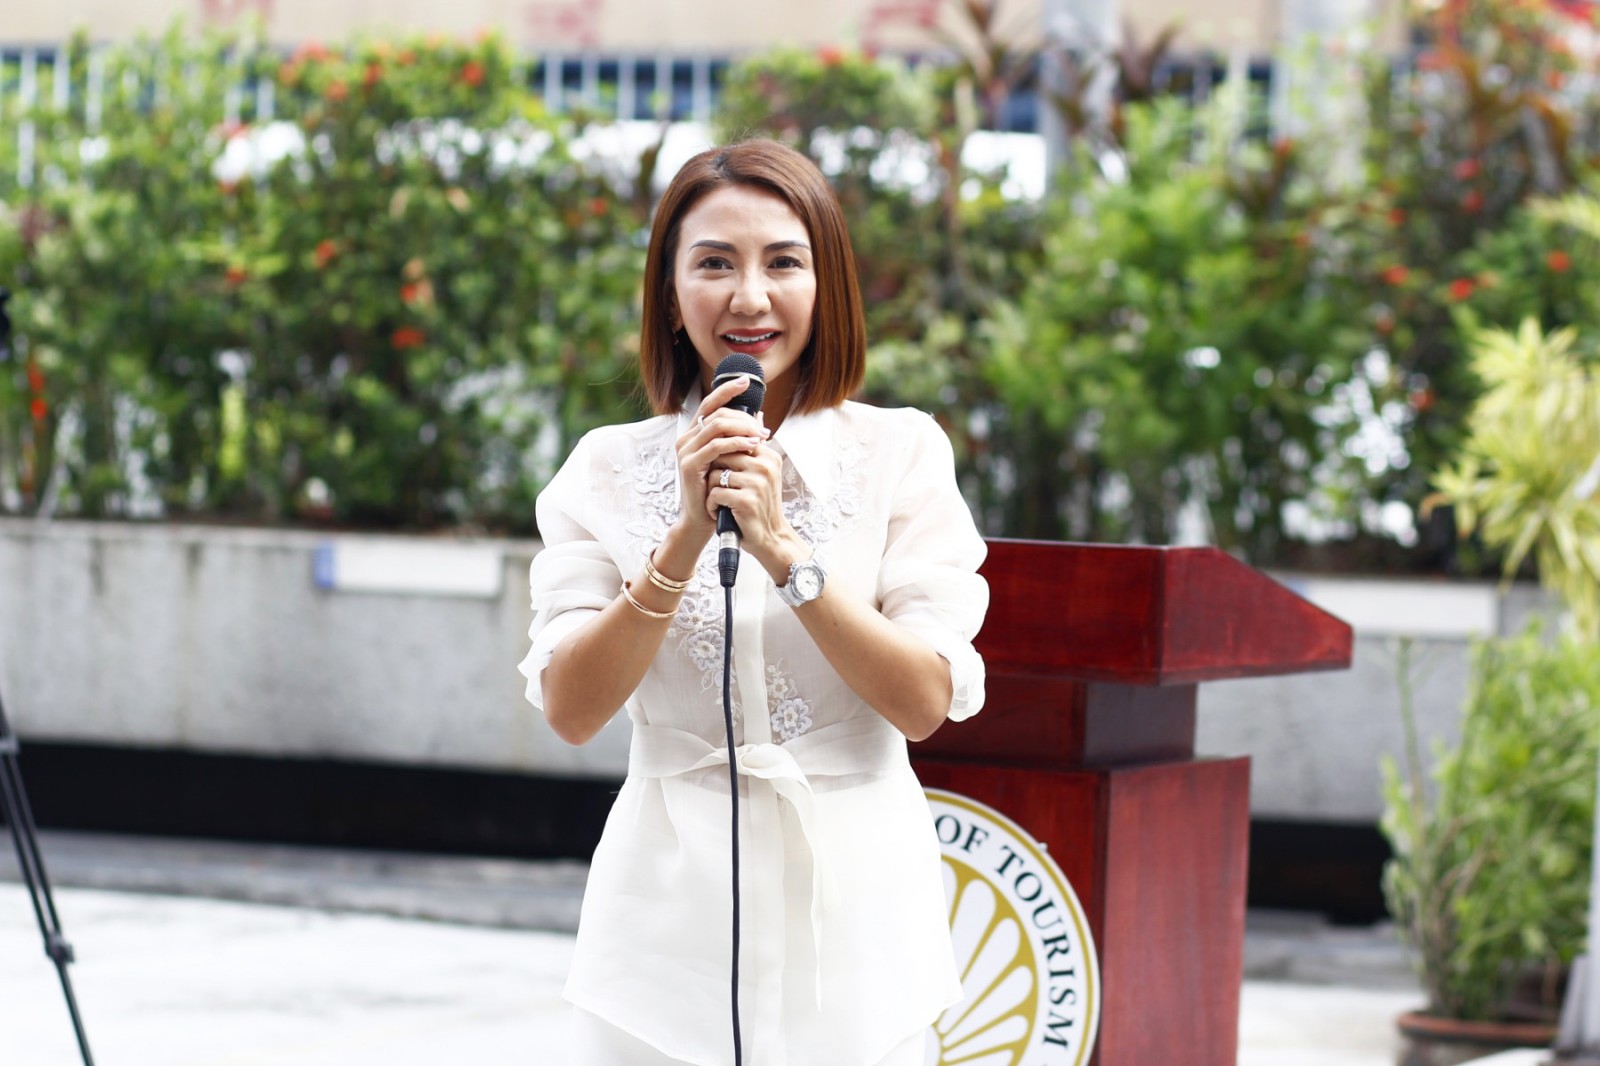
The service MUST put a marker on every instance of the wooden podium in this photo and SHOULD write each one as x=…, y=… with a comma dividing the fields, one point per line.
x=1087, y=741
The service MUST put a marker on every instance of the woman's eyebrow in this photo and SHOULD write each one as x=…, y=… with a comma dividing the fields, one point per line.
x=724, y=246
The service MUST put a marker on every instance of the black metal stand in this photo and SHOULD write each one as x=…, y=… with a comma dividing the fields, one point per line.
x=19, y=816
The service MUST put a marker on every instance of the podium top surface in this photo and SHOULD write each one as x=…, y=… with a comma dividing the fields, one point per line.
x=1147, y=616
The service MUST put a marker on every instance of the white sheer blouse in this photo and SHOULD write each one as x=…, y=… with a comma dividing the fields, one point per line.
x=845, y=934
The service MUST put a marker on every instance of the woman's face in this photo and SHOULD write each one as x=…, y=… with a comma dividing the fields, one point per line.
x=744, y=281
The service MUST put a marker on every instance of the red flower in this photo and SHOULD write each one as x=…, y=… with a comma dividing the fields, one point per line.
x=1468, y=169
x=598, y=206
x=1554, y=79
x=1461, y=288
x=406, y=58
x=1472, y=202
x=374, y=74
x=472, y=73
x=1558, y=261
x=1397, y=216
x=35, y=377
x=39, y=408
x=1395, y=275
x=408, y=337
x=830, y=55
x=236, y=276
x=311, y=50
x=289, y=72
x=327, y=248
x=1420, y=399
x=336, y=91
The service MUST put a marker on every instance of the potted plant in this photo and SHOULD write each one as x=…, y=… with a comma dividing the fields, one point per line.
x=1487, y=882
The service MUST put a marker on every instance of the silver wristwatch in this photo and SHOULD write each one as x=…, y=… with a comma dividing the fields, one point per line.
x=804, y=584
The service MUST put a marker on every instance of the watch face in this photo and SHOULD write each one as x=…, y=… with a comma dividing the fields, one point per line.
x=807, y=582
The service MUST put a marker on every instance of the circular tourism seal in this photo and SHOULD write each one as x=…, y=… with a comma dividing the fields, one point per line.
x=1023, y=947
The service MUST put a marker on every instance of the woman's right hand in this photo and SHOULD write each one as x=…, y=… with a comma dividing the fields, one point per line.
x=717, y=431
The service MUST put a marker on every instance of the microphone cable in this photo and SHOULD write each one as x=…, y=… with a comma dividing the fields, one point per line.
x=733, y=365
x=733, y=798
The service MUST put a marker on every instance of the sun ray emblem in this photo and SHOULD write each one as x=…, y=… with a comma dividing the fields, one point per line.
x=1029, y=975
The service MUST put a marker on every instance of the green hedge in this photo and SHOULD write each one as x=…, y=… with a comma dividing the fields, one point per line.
x=404, y=324
x=400, y=326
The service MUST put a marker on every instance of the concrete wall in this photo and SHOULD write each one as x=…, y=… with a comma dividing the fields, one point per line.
x=1317, y=739
x=405, y=649
x=223, y=640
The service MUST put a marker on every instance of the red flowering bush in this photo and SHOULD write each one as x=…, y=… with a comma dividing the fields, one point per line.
x=399, y=300
x=1456, y=149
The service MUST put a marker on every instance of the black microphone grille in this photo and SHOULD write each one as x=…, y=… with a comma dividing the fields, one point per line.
x=734, y=365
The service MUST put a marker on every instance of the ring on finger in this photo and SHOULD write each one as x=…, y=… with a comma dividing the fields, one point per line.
x=726, y=476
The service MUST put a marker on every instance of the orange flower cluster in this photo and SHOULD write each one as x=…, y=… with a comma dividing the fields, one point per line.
x=37, y=407
x=408, y=337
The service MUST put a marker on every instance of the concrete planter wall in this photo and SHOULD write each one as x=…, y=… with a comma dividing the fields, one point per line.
x=276, y=642
x=404, y=649
x=1317, y=739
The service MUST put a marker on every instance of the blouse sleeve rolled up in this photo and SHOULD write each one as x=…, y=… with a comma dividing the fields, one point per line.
x=928, y=581
x=573, y=577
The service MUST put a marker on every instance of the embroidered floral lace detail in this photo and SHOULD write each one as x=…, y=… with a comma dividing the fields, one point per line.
x=819, y=520
x=697, y=626
x=655, y=478
x=790, y=714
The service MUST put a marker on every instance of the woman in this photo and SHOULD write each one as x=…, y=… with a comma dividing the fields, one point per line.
x=855, y=607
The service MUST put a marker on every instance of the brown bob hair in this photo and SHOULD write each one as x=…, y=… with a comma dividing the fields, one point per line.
x=835, y=360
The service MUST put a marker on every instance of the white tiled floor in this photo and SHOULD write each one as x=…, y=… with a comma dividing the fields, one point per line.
x=166, y=981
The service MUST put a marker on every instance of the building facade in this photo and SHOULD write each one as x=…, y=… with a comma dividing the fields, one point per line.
x=707, y=26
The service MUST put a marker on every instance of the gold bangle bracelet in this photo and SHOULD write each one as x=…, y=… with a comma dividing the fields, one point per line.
x=627, y=594
x=660, y=580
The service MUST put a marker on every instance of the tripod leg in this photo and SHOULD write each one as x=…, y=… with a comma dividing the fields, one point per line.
x=19, y=816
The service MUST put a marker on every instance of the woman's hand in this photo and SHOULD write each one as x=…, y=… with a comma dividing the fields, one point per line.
x=718, y=434
x=749, y=482
x=726, y=443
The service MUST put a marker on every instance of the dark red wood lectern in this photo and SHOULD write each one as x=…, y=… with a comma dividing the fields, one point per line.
x=1094, y=655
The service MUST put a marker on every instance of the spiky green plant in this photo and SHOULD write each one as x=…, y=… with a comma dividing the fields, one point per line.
x=1528, y=476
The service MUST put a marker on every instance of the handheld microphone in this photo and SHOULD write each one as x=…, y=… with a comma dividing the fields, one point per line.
x=749, y=401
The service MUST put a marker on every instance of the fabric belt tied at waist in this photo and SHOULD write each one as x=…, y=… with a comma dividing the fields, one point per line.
x=857, y=746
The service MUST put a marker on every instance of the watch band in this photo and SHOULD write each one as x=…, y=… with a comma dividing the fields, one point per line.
x=805, y=582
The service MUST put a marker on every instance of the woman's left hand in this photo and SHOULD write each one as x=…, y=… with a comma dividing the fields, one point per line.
x=754, y=493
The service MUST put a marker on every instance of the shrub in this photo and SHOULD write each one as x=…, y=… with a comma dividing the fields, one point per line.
x=404, y=320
